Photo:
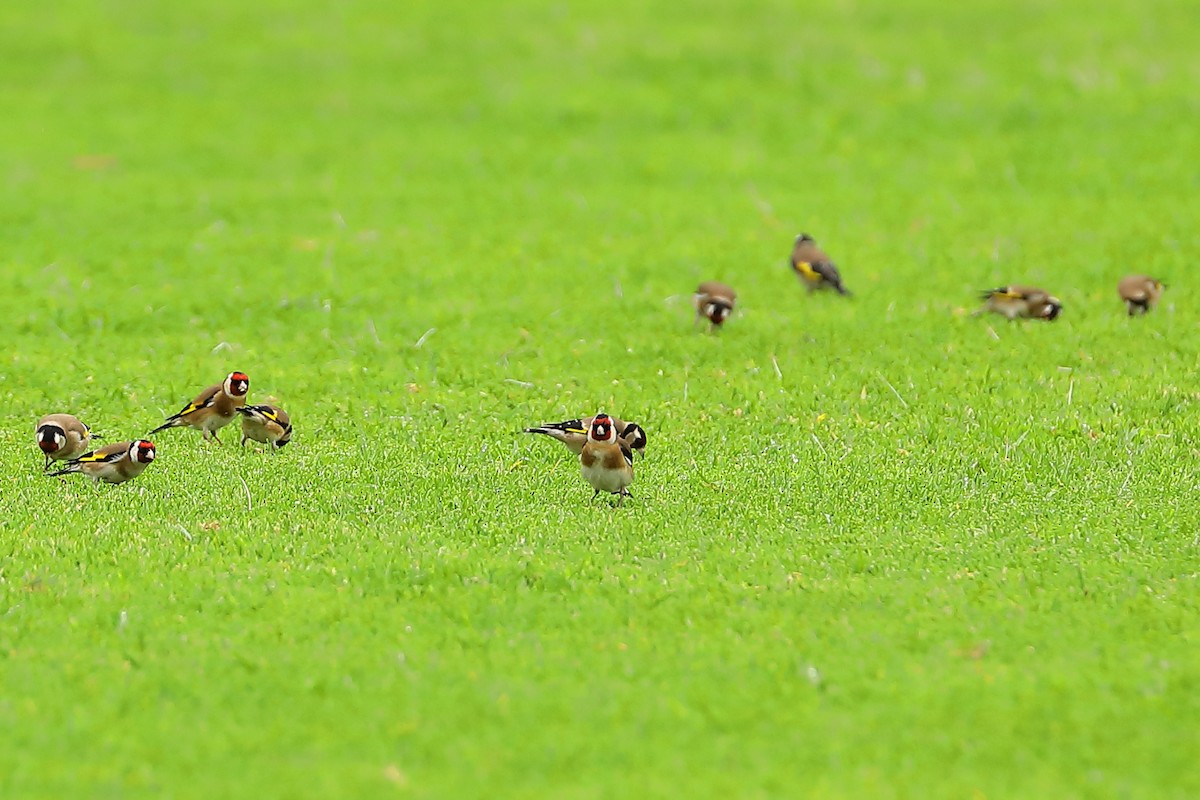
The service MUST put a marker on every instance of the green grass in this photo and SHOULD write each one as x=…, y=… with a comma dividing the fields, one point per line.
x=878, y=548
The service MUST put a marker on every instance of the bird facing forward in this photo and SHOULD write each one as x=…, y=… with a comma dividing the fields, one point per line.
x=266, y=423
x=114, y=463
x=606, y=462
x=1024, y=302
x=814, y=267
x=713, y=301
x=1140, y=293
x=213, y=409
x=574, y=433
x=62, y=437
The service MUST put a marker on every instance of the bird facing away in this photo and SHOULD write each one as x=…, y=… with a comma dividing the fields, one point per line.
x=814, y=267
x=266, y=423
x=713, y=301
x=114, y=463
x=213, y=409
x=606, y=462
x=62, y=437
x=574, y=432
x=1024, y=302
x=1140, y=293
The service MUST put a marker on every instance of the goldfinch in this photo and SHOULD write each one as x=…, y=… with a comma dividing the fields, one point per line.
x=213, y=409
x=114, y=463
x=62, y=437
x=1025, y=302
x=267, y=424
x=1140, y=293
x=574, y=432
x=815, y=268
x=606, y=461
x=713, y=301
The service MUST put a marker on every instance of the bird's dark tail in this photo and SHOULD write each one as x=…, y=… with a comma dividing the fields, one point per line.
x=168, y=424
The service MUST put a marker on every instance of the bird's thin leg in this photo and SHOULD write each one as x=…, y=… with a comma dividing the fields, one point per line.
x=47, y=467
x=244, y=438
x=595, y=494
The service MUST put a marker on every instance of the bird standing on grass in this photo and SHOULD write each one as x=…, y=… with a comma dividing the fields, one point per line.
x=267, y=424
x=574, y=433
x=62, y=437
x=713, y=301
x=1026, y=302
x=606, y=462
x=114, y=463
x=213, y=409
x=1140, y=293
x=814, y=267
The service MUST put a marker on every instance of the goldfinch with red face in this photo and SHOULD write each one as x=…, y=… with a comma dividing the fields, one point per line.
x=574, y=432
x=1024, y=302
x=62, y=437
x=814, y=267
x=713, y=301
x=114, y=463
x=606, y=462
x=1140, y=293
x=267, y=424
x=213, y=409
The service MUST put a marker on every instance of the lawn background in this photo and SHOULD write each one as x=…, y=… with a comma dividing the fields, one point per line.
x=878, y=548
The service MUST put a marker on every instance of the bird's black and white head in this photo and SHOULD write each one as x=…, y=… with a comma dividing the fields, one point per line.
x=51, y=438
x=141, y=451
x=804, y=238
x=237, y=384
x=602, y=429
x=287, y=436
x=717, y=311
x=1051, y=309
x=634, y=436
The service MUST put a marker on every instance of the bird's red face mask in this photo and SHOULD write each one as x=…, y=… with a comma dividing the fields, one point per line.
x=237, y=384
x=602, y=429
x=142, y=451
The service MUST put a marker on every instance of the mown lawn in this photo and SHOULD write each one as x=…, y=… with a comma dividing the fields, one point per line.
x=877, y=548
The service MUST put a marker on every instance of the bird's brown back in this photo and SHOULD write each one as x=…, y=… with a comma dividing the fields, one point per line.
x=67, y=422
x=716, y=289
x=807, y=251
x=1137, y=287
